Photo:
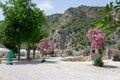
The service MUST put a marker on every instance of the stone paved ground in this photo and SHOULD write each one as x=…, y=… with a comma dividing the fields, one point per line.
x=54, y=69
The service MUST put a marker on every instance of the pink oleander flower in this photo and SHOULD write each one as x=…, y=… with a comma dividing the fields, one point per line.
x=46, y=47
x=50, y=48
x=42, y=51
x=96, y=38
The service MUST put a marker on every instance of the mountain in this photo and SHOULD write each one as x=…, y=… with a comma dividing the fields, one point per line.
x=68, y=30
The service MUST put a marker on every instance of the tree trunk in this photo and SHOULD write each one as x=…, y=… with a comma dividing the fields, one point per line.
x=34, y=53
x=100, y=52
x=19, y=52
x=28, y=51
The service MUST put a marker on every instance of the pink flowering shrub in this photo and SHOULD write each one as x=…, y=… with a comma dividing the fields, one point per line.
x=96, y=38
x=45, y=47
x=50, y=48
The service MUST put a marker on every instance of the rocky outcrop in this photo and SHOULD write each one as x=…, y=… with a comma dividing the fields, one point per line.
x=68, y=30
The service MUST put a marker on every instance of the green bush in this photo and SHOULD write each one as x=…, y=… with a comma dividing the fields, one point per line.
x=116, y=58
x=98, y=62
x=70, y=52
x=53, y=54
x=118, y=45
x=76, y=49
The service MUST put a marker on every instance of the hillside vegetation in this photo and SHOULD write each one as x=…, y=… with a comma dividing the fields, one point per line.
x=68, y=30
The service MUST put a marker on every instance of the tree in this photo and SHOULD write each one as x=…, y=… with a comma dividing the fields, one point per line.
x=24, y=20
x=109, y=21
x=110, y=18
x=1, y=31
x=41, y=34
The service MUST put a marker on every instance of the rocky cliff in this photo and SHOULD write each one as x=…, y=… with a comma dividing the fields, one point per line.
x=68, y=30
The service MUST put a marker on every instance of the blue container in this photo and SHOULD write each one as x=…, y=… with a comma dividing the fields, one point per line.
x=10, y=57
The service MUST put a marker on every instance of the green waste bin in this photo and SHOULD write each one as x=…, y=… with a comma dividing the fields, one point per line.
x=10, y=57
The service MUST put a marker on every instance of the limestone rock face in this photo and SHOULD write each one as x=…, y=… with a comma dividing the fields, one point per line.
x=68, y=30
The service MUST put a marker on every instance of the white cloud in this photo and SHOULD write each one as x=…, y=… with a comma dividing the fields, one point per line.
x=45, y=5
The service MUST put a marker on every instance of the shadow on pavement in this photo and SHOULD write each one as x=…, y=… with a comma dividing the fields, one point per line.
x=110, y=66
x=34, y=62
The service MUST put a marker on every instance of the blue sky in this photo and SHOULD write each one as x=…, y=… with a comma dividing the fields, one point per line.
x=59, y=6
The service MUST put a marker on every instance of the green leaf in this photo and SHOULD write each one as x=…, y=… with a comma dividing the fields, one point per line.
x=97, y=25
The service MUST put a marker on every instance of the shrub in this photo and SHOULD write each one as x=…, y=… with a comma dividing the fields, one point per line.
x=76, y=49
x=53, y=54
x=98, y=62
x=116, y=58
x=70, y=52
x=118, y=45
x=46, y=47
